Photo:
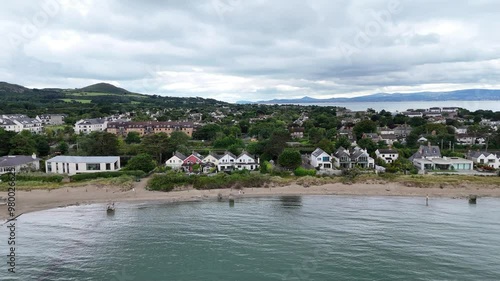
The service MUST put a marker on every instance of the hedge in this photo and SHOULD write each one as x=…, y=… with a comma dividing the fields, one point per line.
x=91, y=176
x=301, y=172
x=29, y=177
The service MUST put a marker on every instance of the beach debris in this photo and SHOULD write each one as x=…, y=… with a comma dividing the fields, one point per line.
x=472, y=199
x=219, y=196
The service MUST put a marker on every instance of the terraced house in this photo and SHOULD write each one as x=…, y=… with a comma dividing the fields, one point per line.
x=146, y=128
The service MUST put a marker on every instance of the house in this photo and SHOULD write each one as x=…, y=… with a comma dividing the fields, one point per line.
x=212, y=158
x=389, y=139
x=388, y=155
x=226, y=162
x=297, y=132
x=484, y=158
x=321, y=160
x=361, y=158
x=346, y=159
x=402, y=131
x=429, y=158
x=19, y=163
x=461, y=130
x=52, y=119
x=192, y=160
x=342, y=158
x=450, y=109
x=175, y=162
x=87, y=126
x=145, y=128
x=413, y=114
x=374, y=137
x=435, y=109
x=72, y=165
x=19, y=122
x=246, y=162
x=465, y=139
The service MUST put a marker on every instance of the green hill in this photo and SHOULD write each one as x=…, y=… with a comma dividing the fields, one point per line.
x=104, y=88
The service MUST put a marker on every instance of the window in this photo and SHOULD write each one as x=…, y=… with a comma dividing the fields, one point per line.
x=93, y=167
x=49, y=167
x=108, y=167
x=76, y=166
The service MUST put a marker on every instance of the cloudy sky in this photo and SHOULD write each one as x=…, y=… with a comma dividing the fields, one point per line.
x=252, y=50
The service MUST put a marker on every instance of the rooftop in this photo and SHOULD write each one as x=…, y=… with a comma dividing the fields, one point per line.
x=84, y=159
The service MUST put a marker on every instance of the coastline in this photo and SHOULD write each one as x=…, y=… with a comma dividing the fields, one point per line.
x=37, y=200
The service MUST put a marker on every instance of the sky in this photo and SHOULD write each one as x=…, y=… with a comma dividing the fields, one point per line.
x=234, y=50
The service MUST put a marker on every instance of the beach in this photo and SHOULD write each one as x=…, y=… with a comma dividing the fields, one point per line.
x=36, y=200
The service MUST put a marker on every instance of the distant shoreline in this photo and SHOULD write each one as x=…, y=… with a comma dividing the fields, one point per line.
x=38, y=200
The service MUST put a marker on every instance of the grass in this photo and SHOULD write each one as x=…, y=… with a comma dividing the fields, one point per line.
x=76, y=100
x=96, y=94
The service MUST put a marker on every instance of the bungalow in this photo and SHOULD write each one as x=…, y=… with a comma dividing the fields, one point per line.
x=387, y=155
x=321, y=160
x=429, y=158
x=246, y=162
x=484, y=158
x=72, y=165
x=175, y=162
x=19, y=163
x=226, y=162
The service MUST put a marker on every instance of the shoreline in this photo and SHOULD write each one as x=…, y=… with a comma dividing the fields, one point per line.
x=38, y=200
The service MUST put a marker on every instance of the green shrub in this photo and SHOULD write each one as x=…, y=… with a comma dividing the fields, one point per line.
x=169, y=181
x=34, y=177
x=301, y=172
x=100, y=175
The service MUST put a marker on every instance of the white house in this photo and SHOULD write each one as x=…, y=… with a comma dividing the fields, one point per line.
x=345, y=159
x=175, y=162
x=429, y=158
x=388, y=155
x=72, y=165
x=19, y=163
x=484, y=158
x=246, y=162
x=226, y=162
x=320, y=159
x=18, y=122
x=212, y=158
x=88, y=126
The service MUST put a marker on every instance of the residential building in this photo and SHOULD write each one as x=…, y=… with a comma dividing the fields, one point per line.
x=19, y=163
x=465, y=139
x=389, y=139
x=52, y=119
x=346, y=159
x=19, y=122
x=402, y=131
x=413, y=114
x=388, y=155
x=226, y=162
x=484, y=158
x=192, y=160
x=212, y=158
x=72, y=165
x=145, y=128
x=87, y=126
x=246, y=162
x=297, y=132
x=429, y=158
x=176, y=161
x=321, y=160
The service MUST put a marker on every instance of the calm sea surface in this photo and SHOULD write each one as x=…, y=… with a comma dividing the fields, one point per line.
x=279, y=238
x=403, y=106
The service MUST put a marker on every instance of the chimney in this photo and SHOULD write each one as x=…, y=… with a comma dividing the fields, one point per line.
x=429, y=144
x=33, y=156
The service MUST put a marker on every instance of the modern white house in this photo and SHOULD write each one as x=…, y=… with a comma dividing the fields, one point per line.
x=246, y=162
x=87, y=126
x=226, y=162
x=429, y=158
x=347, y=159
x=19, y=163
x=176, y=161
x=321, y=160
x=72, y=165
x=388, y=155
x=484, y=158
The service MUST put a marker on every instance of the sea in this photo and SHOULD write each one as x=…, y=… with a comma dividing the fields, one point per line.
x=274, y=238
x=403, y=106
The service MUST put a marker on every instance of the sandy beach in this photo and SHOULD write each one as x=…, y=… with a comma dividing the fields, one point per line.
x=36, y=200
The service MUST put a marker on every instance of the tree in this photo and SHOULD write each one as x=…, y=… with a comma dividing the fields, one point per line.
x=343, y=142
x=316, y=135
x=277, y=143
x=290, y=159
x=42, y=145
x=156, y=145
x=368, y=144
x=177, y=139
x=207, y=132
x=143, y=162
x=326, y=145
x=63, y=147
x=365, y=126
x=99, y=144
x=23, y=144
x=133, y=137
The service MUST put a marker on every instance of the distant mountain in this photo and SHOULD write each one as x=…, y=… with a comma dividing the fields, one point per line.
x=104, y=88
x=464, y=95
x=12, y=88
